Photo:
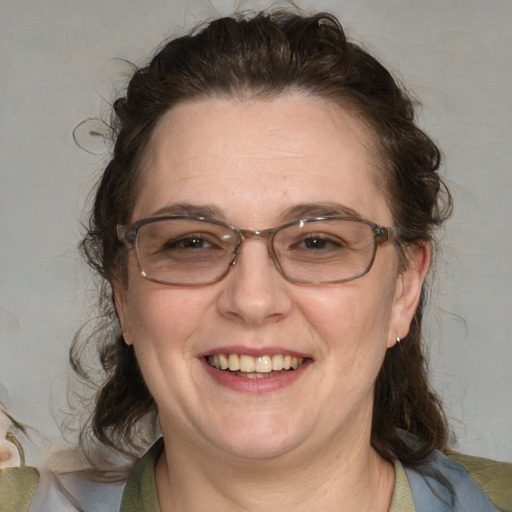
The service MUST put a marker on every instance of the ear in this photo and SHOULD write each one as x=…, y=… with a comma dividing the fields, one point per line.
x=408, y=291
x=121, y=305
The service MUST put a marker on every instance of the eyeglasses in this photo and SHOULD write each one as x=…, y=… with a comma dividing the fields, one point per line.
x=193, y=251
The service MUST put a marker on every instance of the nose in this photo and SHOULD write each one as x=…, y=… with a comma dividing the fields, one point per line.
x=254, y=292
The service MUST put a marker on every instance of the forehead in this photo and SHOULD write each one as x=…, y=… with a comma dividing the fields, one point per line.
x=260, y=156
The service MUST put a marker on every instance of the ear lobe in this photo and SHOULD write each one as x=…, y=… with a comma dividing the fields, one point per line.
x=121, y=306
x=408, y=291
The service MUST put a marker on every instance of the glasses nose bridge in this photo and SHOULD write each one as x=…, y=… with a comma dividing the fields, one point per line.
x=264, y=234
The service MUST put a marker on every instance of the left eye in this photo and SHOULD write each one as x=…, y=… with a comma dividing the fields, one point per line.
x=321, y=242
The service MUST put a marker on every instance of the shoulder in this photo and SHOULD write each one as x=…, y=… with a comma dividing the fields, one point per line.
x=454, y=482
x=26, y=490
x=140, y=492
x=493, y=477
x=76, y=491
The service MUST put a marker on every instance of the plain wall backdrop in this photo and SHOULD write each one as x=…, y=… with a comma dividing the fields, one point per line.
x=58, y=68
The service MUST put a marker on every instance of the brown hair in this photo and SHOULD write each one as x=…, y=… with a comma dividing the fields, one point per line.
x=264, y=56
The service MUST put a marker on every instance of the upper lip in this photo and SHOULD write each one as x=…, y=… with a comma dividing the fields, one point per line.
x=255, y=352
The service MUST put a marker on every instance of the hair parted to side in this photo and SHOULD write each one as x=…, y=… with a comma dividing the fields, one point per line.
x=264, y=56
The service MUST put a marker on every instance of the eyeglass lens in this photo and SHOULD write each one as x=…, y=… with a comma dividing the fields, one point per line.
x=191, y=252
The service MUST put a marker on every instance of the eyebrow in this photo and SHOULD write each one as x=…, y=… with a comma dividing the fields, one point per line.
x=320, y=209
x=295, y=212
x=190, y=210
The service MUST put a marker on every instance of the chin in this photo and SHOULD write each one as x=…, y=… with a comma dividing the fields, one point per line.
x=259, y=440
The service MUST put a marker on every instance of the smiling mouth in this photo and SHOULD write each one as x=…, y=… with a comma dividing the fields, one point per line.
x=251, y=367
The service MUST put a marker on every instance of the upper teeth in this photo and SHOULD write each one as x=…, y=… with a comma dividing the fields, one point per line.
x=261, y=364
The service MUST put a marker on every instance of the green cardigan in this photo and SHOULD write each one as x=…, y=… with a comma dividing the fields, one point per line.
x=17, y=486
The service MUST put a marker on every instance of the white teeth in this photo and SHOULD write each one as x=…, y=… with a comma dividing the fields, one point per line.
x=234, y=362
x=255, y=367
x=223, y=360
x=263, y=364
x=247, y=364
x=277, y=362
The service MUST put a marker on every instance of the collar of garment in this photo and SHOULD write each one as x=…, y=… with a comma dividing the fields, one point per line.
x=140, y=491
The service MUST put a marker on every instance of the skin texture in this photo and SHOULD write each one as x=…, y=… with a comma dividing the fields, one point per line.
x=307, y=441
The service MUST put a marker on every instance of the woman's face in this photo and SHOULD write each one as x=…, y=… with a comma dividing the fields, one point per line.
x=250, y=162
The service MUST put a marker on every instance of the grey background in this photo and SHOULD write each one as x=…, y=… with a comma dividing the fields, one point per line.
x=58, y=68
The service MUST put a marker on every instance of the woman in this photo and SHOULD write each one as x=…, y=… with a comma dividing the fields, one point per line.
x=265, y=227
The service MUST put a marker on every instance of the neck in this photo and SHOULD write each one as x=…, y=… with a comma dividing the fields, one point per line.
x=352, y=477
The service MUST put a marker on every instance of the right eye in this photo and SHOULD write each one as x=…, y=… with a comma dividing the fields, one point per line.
x=196, y=241
x=173, y=244
x=196, y=248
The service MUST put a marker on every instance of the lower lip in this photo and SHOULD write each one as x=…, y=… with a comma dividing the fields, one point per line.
x=257, y=386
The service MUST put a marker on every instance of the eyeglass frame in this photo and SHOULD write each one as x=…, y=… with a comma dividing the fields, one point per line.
x=127, y=233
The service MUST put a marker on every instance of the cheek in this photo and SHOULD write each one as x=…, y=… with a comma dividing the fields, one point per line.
x=163, y=318
x=357, y=313
x=163, y=325
x=352, y=325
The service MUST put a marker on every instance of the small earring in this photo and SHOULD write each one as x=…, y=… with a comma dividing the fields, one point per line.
x=398, y=340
